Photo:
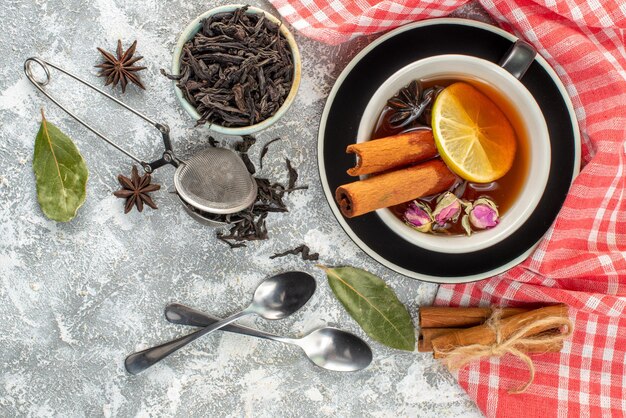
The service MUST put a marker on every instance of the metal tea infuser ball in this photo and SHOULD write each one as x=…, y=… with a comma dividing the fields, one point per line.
x=212, y=181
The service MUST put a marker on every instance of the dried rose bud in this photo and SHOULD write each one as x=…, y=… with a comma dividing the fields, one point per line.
x=484, y=214
x=448, y=209
x=418, y=216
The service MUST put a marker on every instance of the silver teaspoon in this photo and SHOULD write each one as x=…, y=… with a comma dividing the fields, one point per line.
x=275, y=298
x=329, y=348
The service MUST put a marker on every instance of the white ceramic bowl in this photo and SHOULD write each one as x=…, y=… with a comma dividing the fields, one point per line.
x=194, y=27
x=469, y=68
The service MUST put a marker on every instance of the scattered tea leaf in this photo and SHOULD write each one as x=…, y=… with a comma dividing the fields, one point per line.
x=303, y=249
x=246, y=160
x=246, y=143
x=293, y=178
x=60, y=173
x=249, y=224
x=213, y=142
x=170, y=76
x=232, y=245
x=265, y=149
x=293, y=175
x=372, y=304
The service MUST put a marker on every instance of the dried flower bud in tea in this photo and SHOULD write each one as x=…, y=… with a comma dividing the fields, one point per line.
x=448, y=209
x=484, y=214
x=418, y=215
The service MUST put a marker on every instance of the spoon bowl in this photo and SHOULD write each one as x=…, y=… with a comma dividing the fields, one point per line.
x=335, y=349
x=283, y=294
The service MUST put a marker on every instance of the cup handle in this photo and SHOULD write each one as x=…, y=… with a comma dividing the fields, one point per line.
x=518, y=58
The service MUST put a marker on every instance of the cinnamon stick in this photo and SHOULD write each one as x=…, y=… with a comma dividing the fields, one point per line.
x=427, y=335
x=393, y=188
x=446, y=317
x=484, y=335
x=392, y=152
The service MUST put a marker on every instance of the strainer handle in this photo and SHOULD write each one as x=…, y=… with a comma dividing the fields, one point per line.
x=168, y=156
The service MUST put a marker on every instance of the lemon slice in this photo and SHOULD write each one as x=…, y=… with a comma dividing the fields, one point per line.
x=474, y=137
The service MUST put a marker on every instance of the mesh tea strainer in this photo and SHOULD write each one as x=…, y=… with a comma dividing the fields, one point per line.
x=213, y=180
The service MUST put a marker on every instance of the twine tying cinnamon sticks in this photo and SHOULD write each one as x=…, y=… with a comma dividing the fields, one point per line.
x=517, y=335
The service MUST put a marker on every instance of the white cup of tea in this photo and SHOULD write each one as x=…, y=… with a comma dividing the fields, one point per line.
x=529, y=123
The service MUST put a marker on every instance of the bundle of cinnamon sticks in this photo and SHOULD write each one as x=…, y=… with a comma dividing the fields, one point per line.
x=442, y=329
x=401, y=168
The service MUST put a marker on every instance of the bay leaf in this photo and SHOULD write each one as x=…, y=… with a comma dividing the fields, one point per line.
x=60, y=173
x=374, y=305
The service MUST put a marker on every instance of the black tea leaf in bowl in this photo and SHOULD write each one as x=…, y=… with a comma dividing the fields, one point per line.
x=237, y=69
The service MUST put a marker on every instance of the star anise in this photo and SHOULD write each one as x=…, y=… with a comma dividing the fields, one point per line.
x=409, y=104
x=121, y=69
x=135, y=190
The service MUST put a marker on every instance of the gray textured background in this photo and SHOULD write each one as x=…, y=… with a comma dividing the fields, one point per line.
x=76, y=298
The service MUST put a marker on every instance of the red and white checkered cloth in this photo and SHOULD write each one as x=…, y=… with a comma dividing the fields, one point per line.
x=582, y=260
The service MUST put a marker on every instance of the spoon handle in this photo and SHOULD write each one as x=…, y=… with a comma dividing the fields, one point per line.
x=141, y=360
x=180, y=314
